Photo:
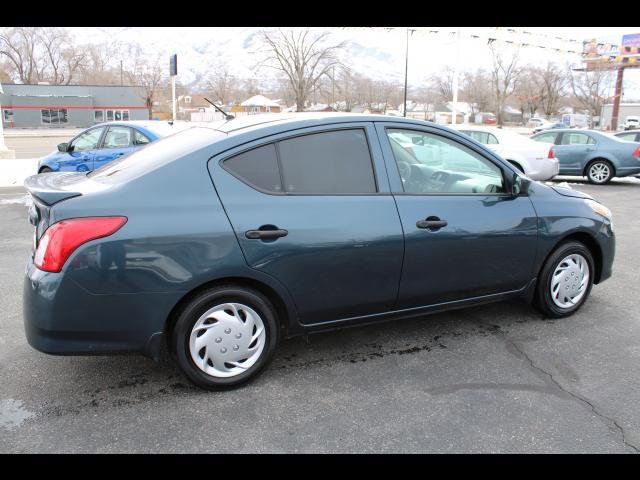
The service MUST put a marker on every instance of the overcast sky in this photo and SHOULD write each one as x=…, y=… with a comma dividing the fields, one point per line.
x=376, y=52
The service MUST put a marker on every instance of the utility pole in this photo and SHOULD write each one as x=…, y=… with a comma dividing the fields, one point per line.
x=616, y=100
x=456, y=73
x=406, y=68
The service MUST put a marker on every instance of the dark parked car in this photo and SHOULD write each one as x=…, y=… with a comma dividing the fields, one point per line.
x=629, y=136
x=550, y=126
x=219, y=241
x=103, y=143
x=595, y=155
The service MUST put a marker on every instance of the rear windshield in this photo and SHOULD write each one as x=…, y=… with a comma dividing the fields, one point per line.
x=155, y=154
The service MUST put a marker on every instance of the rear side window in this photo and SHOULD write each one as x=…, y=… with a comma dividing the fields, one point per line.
x=337, y=162
x=546, y=138
x=257, y=167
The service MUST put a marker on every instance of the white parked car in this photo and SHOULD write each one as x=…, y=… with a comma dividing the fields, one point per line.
x=631, y=122
x=535, y=159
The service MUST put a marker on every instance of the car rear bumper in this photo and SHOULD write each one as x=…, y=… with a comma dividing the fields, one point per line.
x=62, y=318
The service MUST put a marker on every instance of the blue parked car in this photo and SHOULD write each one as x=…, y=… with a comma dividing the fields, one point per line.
x=595, y=155
x=219, y=241
x=103, y=143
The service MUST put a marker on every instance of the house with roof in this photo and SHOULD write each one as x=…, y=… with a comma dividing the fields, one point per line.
x=255, y=105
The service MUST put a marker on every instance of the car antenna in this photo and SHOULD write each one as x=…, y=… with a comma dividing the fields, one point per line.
x=227, y=116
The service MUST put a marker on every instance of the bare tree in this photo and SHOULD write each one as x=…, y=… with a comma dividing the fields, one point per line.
x=148, y=74
x=476, y=90
x=554, y=81
x=590, y=87
x=18, y=47
x=504, y=76
x=62, y=58
x=529, y=91
x=304, y=58
x=442, y=84
x=221, y=83
x=102, y=64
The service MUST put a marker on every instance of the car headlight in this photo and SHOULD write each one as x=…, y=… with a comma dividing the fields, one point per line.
x=600, y=209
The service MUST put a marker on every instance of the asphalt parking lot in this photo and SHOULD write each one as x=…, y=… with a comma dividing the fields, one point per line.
x=498, y=378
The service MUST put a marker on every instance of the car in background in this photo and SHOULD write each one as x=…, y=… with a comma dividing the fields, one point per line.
x=217, y=242
x=548, y=126
x=596, y=155
x=632, y=122
x=629, y=136
x=535, y=160
x=536, y=122
x=98, y=145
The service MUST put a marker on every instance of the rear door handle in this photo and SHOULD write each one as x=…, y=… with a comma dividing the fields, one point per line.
x=265, y=234
x=431, y=223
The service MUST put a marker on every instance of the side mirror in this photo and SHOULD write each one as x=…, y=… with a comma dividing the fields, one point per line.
x=519, y=185
x=63, y=147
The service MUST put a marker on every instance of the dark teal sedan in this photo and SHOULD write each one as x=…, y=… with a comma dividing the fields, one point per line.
x=595, y=155
x=216, y=242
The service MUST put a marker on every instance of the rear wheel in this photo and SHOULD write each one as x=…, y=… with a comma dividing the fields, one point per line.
x=565, y=280
x=225, y=336
x=600, y=172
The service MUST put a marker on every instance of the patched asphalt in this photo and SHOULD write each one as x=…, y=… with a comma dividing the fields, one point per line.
x=497, y=378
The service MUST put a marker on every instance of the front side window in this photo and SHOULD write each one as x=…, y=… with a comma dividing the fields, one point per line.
x=480, y=137
x=576, y=139
x=117, y=137
x=443, y=166
x=337, y=162
x=87, y=140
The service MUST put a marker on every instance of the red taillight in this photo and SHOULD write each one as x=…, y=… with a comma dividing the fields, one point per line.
x=62, y=238
x=551, y=154
x=636, y=152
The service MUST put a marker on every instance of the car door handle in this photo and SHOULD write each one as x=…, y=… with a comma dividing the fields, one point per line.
x=431, y=223
x=266, y=234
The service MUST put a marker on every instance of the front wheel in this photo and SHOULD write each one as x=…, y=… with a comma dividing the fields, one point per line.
x=565, y=280
x=600, y=172
x=225, y=337
x=45, y=170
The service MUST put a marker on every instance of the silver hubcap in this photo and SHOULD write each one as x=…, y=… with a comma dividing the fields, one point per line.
x=569, y=281
x=227, y=339
x=599, y=172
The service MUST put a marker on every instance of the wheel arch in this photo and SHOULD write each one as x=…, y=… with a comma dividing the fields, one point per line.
x=286, y=313
x=588, y=241
x=599, y=158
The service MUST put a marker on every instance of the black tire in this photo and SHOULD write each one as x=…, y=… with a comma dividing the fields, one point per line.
x=190, y=314
x=542, y=299
x=45, y=170
x=599, y=163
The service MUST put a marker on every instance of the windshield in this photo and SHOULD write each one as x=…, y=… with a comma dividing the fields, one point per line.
x=156, y=154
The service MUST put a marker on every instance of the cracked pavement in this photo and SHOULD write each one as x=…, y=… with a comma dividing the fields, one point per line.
x=496, y=378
